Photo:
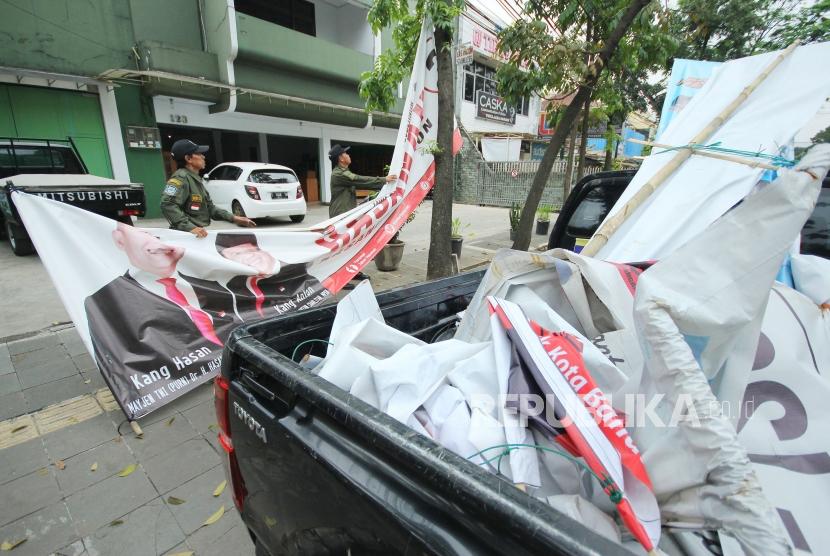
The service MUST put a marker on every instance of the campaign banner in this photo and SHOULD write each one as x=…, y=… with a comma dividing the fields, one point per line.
x=156, y=306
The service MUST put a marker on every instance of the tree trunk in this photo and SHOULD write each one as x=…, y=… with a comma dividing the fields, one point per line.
x=569, y=166
x=439, y=262
x=609, y=146
x=583, y=140
x=525, y=230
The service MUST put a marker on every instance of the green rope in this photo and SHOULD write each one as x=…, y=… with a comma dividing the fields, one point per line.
x=715, y=147
x=607, y=483
x=301, y=344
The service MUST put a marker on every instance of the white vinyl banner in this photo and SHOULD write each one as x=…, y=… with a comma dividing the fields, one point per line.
x=690, y=199
x=155, y=306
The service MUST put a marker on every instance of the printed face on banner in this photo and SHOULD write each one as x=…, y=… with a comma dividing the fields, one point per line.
x=145, y=251
x=156, y=307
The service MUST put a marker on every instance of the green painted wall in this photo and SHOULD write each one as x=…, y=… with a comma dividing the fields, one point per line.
x=81, y=38
x=41, y=113
x=145, y=165
x=175, y=23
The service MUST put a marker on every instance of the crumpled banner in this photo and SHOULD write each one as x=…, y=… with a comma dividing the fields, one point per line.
x=156, y=306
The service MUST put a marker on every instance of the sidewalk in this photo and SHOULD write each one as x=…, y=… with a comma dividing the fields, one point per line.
x=61, y=450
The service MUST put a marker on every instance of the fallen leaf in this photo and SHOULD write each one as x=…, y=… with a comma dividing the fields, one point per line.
x=117, y=440
x=175, y=501
x=11, y=545
x=127, y=470
x=270, y=521
x=20, y=428
x=187, y=553
x=215, y=517
x=87, y=381
x=94, y=467
x=73, y=420
x=214, y=427
x=116, y=522
x=60, y=464
x=219, y=489
x=42, y=471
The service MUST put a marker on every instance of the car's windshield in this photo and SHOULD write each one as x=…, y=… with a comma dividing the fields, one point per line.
x=273, y=176
x=34, y=159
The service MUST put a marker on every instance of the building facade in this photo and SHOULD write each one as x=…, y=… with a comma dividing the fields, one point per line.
x=257, y=80
x=501, y=131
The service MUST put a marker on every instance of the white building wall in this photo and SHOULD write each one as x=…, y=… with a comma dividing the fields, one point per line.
x=345, y=25
x=484, y=44
x=198, y=115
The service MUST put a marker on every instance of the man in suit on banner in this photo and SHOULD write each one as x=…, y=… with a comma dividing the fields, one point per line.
x=275, y=288
x=148, y=322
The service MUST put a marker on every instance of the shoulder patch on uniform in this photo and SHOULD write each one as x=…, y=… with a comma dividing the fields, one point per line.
x=174, y=181
x=170, y=189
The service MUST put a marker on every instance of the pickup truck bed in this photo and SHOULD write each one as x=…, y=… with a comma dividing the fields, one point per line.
x=318, y=471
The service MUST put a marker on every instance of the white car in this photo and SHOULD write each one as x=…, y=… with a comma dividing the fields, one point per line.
x=256, y=190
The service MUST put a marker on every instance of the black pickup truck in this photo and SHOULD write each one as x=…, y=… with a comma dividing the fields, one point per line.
x=54, y=169
x=317, y=471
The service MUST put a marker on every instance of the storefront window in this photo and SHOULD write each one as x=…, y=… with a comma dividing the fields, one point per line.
x=478, y=77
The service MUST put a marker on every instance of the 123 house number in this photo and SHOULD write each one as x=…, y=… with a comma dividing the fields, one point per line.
x=178, y=119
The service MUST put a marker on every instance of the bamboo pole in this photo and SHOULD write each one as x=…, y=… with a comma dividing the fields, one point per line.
x=613, y=223
x=721, y=156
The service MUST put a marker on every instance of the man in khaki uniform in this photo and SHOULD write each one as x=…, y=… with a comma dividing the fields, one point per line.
x=344, y=182
x=185, y=201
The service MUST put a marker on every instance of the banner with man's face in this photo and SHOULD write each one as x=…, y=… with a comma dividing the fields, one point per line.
x=156, y=306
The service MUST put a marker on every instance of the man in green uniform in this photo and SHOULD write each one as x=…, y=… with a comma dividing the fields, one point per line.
x=185, y=201
x=344, y=182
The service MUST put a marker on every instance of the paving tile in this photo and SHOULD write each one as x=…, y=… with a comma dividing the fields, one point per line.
x=22, y=459
x=34, y=343
x=27, y=494
x=175, y=467
x=46, y=372
x=29, y=359
x=74, y=439
x=12, y=405
x=96, y=381
x=235, y=541
x=196, y=396
x=69, y=335
x=9, y=384
x=38, y=397
x=203, y=417
x=77, y=548
x=46, y=531
x=105, y=501
x=204, y=539
x=148, y=530
x=199, y=500
x=84, y=362
x=5, y=360
x=111, y=458
x=74, y=349
x=159, y=437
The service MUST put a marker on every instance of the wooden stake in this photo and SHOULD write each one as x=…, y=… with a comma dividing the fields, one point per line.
x=613, y=223
x=136, y=429
x=721, y=156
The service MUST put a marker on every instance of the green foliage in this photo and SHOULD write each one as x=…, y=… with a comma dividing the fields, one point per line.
x=822, y=136
x=543, y=213
x=430, y=146
x=378, y=87
x=515, y=215
x=457, y=227
x=721, y=30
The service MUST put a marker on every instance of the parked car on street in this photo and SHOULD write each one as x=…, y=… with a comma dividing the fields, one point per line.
x=53, y=168
x=256, y=190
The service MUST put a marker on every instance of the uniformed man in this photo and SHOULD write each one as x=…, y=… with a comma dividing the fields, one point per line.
x=344, y=182
x=185, y=201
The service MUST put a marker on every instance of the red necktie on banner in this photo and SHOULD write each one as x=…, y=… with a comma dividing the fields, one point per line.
x=201, y=319
x=260, y=297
